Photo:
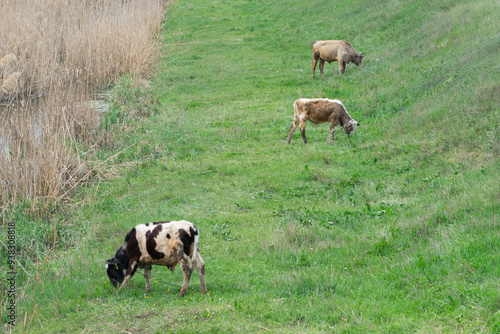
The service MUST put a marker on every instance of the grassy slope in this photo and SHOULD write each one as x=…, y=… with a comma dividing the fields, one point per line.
x=391, y=230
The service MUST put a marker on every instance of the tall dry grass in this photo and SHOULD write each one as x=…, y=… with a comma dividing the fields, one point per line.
x=40, y=160
x=94, y=40
x=61, y=51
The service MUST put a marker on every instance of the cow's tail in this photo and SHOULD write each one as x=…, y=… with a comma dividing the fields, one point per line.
x=296, y=109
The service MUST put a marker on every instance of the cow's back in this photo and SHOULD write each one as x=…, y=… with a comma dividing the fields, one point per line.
x=319, y=110
x=331, y=50
x=163, y=243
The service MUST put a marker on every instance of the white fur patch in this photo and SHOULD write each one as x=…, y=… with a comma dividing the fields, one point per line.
x=304, y=100
x=171, y=228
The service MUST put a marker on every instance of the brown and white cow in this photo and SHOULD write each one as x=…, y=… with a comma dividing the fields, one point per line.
x=332, y=50
x=163, y=243
x=321, y=111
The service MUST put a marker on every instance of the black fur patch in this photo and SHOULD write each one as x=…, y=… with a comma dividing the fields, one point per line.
x=129, y=234
x=165, y=222
x=187, y=239
x=168, y=236
x=151, y=243
x=133, y=250
x=116, y=266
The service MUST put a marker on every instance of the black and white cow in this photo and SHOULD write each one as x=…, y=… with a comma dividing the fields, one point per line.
x=163, y=243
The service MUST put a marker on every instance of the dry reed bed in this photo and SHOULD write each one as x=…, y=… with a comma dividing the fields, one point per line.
x=94, y=40
x=39, y=160
x=62, y=50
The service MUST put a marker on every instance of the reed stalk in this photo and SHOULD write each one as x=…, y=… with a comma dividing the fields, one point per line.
x=53, y=55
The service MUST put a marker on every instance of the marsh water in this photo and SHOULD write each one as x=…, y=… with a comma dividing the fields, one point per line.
x=28, y=113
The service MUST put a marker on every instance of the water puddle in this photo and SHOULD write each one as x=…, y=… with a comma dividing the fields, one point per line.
x=28, y=115
x=101, y=104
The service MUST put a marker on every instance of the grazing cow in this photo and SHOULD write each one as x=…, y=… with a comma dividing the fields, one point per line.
x=320, y=111
x=165, y=244
x=332, y=50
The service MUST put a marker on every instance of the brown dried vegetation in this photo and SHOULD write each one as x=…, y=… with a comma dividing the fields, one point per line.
x=54, y=54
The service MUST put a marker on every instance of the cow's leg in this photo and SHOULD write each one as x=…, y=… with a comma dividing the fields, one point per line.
x=321, y=65
x=332, y=131
x=147, y=276
x=341, y=67
x=200, y=269
x=294, y=125
x=187, y=270
x=134, y=263
x=186, y=266
x=303, y=130
x=315, y=61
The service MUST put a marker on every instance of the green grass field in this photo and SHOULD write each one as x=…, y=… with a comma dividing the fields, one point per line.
x=392, y=230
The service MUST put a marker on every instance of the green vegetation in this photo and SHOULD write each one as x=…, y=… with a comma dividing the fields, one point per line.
x=393, y=230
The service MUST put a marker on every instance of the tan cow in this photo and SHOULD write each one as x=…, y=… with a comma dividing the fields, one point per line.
x=333, y=50
x=321, y=111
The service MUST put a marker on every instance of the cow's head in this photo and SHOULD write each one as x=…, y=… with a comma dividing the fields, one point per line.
x=116, y=268
x=358, y=59
x=350, y=127
x=116, y=272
